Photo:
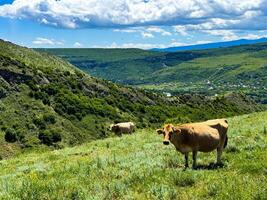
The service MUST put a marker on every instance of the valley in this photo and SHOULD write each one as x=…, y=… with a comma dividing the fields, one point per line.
x=209, y=72
x=47, y=103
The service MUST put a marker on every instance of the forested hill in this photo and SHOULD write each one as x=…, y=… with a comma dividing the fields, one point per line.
x=208, y=72
x=45, y=101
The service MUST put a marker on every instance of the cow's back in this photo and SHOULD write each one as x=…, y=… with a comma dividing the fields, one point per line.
x=220, y=124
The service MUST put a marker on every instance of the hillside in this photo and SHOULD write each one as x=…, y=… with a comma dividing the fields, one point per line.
x=209, y=72
x=139, y=166
x=47, y=102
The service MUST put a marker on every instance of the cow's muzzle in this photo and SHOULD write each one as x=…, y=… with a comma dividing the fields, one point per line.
x=166, y=142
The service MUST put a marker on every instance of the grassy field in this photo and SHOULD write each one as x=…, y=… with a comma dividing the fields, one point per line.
x=139, y=166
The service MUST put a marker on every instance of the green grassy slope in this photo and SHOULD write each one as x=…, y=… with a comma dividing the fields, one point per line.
x=139, y=166
x=46, y=101
x=209, y=72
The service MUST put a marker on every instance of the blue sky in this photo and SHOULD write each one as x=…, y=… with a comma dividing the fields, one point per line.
x=130, y=23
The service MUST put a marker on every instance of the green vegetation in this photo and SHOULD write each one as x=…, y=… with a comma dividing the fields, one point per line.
x=48, y=103
x=139, y=166
x=208, y=72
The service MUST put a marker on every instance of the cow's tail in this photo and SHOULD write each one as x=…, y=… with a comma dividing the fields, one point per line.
x=225, y=142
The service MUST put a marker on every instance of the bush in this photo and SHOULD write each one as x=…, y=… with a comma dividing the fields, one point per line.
x=11, y=136
x=39, y=122
x=49, y=118
x=49, y=137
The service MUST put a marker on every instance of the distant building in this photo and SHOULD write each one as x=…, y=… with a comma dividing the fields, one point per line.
x=167, y=94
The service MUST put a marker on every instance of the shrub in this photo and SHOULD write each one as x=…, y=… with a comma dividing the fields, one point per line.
x=10, y=136
x=48, y=137
x=66, y=73
x=3, y=128
x=33, y=85
x=39, y=122
x=49, y=118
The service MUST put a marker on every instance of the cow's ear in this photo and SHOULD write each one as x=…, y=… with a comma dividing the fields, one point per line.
x=176, y=130
x=159, y=131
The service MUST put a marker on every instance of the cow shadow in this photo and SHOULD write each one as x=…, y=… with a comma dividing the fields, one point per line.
x=210, y=166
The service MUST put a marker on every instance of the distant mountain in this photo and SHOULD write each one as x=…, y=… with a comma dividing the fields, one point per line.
x=211, y=45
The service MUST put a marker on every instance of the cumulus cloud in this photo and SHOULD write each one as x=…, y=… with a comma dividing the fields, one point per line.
x=46, y=41
x=159, y=30
x=228, y=35
x=147, y=35
x=145, y=32
x=182, y=30
x=77, y=45
x=209, y=14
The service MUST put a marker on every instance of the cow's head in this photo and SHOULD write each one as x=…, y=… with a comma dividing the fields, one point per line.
x=168, y=131
x=110, y=127
x=115, y=128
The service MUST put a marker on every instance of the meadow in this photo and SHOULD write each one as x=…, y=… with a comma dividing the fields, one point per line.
x=139, y=166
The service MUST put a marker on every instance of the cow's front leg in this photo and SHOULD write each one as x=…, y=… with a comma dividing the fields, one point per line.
x=186, y=159
x=219, y=154
x=194, y=160
x=120, y=133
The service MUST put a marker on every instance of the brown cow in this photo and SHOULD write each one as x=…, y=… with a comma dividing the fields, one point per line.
x=205, y=137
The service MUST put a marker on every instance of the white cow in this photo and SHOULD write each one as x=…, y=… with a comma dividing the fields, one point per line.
x=124, y=127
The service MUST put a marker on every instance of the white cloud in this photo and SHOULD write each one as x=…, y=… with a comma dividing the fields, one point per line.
x=253, y=36
x=77, y=45
x=173, y=43
x=131, y=45
x=126, y=30
x=158, y=30
x=147, y=35
x=146, y=32
x=226, y=35
x=181, y=30
x=223, y=14
x=46, y=41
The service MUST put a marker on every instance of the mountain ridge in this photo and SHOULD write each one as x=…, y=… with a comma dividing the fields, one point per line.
x=211, y=45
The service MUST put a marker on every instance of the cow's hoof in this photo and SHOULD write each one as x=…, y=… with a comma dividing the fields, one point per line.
x=220, y=164
x=185, y=167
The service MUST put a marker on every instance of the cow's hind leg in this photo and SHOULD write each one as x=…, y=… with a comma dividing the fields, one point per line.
x=186, y=159
x=222, y=145
x=194, y=160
